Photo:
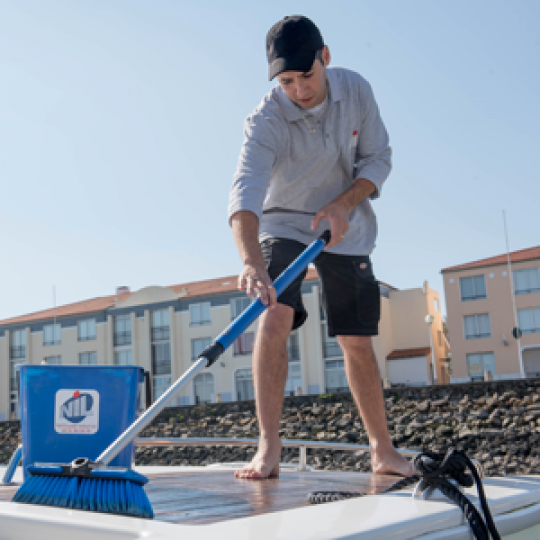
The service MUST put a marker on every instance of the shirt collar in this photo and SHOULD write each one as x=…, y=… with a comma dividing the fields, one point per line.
x=293, y=113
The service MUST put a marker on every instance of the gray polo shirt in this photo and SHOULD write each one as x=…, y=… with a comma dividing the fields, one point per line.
x=293, y=163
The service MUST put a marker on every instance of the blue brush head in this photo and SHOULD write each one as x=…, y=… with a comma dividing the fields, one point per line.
x=85, y=485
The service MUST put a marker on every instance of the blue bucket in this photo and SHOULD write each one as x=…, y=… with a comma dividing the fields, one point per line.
x=76, y=411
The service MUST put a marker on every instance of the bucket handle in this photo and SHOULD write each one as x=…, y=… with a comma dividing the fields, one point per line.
x=148, y=394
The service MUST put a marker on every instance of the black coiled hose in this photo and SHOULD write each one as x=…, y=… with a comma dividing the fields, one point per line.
x=435, y=471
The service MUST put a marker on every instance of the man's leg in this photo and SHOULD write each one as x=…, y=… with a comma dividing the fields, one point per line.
x=365, y=383
x=270, y=367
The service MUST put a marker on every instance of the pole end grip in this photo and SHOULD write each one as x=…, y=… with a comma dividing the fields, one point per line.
x=212, y=352
x=325, y=236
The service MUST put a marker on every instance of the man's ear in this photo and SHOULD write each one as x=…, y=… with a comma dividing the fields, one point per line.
x=326, y=55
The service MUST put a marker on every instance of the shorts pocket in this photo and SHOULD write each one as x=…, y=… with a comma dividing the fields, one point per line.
x=368, y=296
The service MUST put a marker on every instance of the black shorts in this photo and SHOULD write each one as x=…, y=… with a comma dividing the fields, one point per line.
x=351, y=296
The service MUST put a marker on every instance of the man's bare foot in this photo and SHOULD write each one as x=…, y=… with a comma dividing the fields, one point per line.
x=265, y=463
x=391, y=462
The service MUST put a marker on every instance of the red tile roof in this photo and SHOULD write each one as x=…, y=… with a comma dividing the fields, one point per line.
x=528, y=254
x=408, y=353
x=86, y=306
x=184, y=290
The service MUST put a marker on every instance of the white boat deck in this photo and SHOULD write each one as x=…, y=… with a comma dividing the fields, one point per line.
x=208, y=503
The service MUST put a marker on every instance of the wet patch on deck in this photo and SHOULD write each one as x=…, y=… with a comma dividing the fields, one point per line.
x=209, y=497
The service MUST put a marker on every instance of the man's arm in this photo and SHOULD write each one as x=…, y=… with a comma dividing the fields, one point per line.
x=374, y=155
x=254, y=277
x=337, y=212
x=262, y=140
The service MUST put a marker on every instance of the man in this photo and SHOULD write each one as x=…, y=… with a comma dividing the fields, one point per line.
x=315, y=151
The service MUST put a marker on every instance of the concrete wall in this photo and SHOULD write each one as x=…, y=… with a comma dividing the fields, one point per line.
x=409, y=328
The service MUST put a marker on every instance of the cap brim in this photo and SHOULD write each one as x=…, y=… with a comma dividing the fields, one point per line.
x=300, y=62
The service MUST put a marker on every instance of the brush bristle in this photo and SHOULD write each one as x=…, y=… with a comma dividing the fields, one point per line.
x=122, y=497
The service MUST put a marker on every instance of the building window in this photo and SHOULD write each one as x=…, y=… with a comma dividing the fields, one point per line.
x=122, y=330
x=331, y=348
x=322, y=313
x=161, y=359
x=529, y=320
x=477, y=326
x=13, y=371
x=293, y=347
x=478, y=363
x=161, y=352
x=244, y=384
x=18, y=344
x=336, y=379
x=160, y=325
x=88, y=358
x=472, y=288
x=294, y=378
x=53, y=360
x=199, y=314
x=122, y=358
x=14, y=406
x=436, y=304
x=204, y=388
x=87, y=330
x=238, y=305
x=51, y=334
x=198, y=346
x=527, y=281
x=243, y=344
x=160, y=385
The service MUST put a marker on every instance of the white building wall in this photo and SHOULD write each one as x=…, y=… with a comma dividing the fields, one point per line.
x=393, y=333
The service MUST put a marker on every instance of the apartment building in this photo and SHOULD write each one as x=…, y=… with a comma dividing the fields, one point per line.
x=164, y=329
x=480, y=299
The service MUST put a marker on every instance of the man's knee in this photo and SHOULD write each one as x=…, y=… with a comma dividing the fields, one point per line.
x=276, y=323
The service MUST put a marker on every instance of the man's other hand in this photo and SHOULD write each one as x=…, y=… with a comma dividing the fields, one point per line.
x=255, y=281
x=337, y=215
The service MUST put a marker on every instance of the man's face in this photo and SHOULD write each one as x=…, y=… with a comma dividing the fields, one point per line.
x=308, y=89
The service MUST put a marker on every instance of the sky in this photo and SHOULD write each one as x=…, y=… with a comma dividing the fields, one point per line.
x=121, y=125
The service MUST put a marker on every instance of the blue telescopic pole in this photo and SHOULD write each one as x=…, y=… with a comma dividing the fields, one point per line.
x=214, y=351
x=242, y=322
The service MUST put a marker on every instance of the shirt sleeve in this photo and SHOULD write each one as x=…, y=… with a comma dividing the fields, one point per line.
x=373, y=152
x=257, y=158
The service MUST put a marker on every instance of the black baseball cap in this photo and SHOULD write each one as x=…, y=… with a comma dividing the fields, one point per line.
x=291, y=45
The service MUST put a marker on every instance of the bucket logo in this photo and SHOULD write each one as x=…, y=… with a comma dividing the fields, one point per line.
x=76, y=412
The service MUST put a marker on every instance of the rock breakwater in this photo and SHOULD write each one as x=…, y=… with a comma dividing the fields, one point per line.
x=497, y=423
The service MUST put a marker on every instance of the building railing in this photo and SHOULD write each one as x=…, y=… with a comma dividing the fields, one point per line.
x=17, y=351
x=122, y=338
x=471, y=297
x=332, y=350
x=200, y=322
x=528, y=290
x=231, y=441
x=87, y=337
x=294, y=353
x=330, y=390
x=479, y=335
x=160, y=333
x=301, y=445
